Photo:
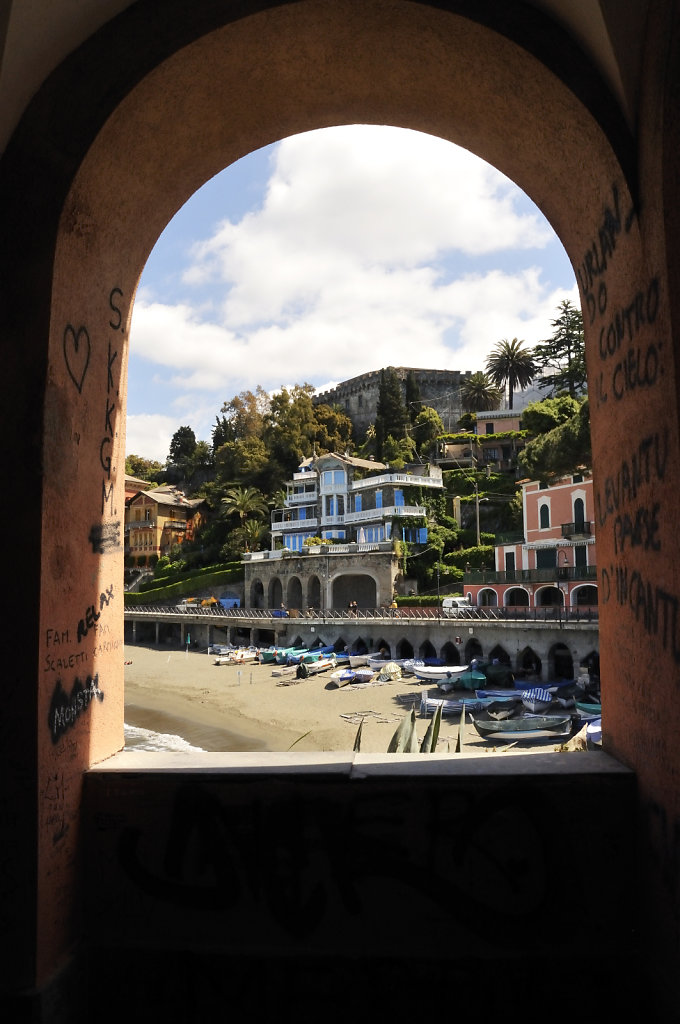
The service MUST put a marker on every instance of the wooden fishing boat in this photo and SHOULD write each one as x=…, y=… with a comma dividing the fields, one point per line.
x=524, y=728
x=589, y=708
x=428, y=705
x=536, y=699
x=433, y=673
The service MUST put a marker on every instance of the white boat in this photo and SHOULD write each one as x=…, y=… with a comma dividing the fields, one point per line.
x=363, y=674
x=378, y=661
x=432, y=673
x=242, y=655
x=322, y=665
x=358, y=660
x=343, y=676
x=428, y=705
x=536, y=699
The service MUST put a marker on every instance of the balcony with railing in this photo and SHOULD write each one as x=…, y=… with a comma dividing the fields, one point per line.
x=555, y=574
x=142, y=524
x=296, y=498
x=368, y=515
x=280, y=525
x=398, y=480
x=582, y=529
x=178, y=525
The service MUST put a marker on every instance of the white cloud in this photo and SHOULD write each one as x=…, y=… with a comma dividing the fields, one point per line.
x=149, y=434
x=372, y=246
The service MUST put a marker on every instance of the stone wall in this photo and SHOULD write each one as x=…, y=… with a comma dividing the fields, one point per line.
x=323, y=581
x=358, y=397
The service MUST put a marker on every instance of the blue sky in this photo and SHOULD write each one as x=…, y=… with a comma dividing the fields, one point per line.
x=327, y=255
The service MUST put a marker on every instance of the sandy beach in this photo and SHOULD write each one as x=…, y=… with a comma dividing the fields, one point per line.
x=225, y=707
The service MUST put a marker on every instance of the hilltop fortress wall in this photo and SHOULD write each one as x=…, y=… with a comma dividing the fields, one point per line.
x=358, y=397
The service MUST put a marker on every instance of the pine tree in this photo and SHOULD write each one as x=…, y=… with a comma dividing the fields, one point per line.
x=563, y=355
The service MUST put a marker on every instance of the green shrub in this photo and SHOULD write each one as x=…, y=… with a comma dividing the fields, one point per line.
x=208, y=580
x=473, y=556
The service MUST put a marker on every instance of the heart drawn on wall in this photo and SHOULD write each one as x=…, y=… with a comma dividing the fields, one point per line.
x=77, y=354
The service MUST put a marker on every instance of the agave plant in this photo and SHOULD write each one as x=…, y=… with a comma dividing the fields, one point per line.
x=405, y=739
x=429, y=744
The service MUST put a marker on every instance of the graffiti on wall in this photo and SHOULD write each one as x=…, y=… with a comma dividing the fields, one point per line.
x=80, y=353
x=66, y=708
x=630, y=359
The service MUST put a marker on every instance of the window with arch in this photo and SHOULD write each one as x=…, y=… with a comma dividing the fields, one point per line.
x=544, y=517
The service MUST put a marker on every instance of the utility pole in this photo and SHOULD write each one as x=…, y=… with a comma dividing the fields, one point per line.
x=479, y=538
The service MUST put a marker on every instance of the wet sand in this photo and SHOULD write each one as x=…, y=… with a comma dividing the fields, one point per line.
x=226, y=707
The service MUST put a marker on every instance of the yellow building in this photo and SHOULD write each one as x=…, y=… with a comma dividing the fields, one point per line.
x=157, y=519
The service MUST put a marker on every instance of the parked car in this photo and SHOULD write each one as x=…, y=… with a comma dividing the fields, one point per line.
x=454, y=606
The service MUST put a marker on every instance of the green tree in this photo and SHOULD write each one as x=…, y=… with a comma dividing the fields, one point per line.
x=245, y=461
x=143, y=469
x=562, y=451
x=253, y=535
x=244, y=502
x=540, y=417
x=412, y=398
x=427, y=427
x=478, y=393
x=391, y=416
x=244, y=415
x=511, y=363
x=198, y=467
x=294, y=428
x=397, y=452
x=182, y=445
x=561, y=359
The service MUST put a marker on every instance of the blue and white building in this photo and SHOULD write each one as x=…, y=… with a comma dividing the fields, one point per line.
x=346, y=500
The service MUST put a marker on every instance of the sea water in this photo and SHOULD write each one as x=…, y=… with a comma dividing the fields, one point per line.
x=137, y=738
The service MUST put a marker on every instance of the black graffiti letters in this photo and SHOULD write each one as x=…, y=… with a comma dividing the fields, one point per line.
x=638, y=531
x=105, y=537
x=65, y=661
x=65, y=709
x=109, y=434
x=646, y=465
x=596, y=258
x=637, y=370
x=110, y=384
x=117, y=324
x=654, y=609
x=76, y=346
x=627, y=321
x=92, y=616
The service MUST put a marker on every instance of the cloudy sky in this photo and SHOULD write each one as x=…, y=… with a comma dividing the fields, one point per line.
x=327, y=255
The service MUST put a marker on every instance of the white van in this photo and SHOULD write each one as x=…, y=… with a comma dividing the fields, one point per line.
x=453, y=606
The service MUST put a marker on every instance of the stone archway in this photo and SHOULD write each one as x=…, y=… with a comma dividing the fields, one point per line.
x=257, y=594
x=516, y=597
x=389, y=62
x=294, y=593
x=275, y=593
x=156, y=115
x=549, y=597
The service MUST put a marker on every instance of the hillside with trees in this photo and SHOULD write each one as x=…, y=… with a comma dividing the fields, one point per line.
x=259, y=440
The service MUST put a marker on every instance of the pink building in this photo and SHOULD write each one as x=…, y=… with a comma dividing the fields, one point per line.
x=552, y=564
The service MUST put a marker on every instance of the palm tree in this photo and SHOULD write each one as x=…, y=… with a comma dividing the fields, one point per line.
x=512, y=364
x=253, y=534
x=244, y=501
x=479, y=393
